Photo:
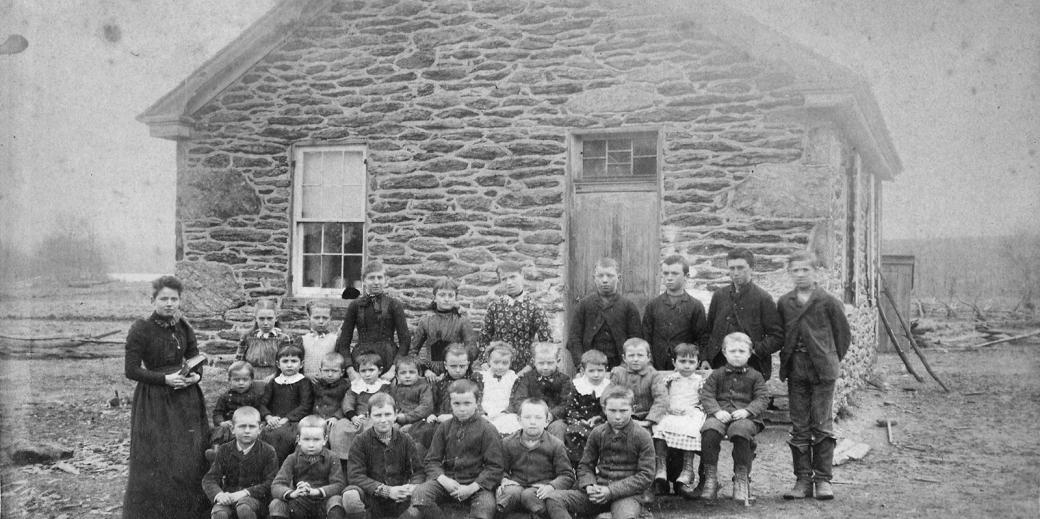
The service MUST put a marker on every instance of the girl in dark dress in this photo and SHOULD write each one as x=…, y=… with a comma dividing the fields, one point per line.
x=168, y=426
x=584, y=410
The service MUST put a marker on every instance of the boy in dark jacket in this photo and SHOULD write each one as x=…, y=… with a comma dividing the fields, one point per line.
x=536, y=462
x=330, y=388
x=605, y=320
x=545, y=383
x=733, y=397
x=309, y=484
x=384, y=465
x=464, y=462
x=239, y=481
x=241, y=393
x=616, y=468
x=816, y=337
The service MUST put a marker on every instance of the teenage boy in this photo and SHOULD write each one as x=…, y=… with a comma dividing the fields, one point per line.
x=674, y=317
x=605, y=320
x=239, y=481
x=377, y=317
x=514, y=319
x=616, y=468
x=816, y=337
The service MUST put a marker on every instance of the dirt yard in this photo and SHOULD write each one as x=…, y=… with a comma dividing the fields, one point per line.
x=971, y=453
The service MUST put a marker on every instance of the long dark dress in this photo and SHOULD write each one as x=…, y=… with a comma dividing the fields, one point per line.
x=168, y=427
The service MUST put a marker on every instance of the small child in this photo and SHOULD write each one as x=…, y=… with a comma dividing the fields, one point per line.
x=377, y=317
x=616, y=468
x=584, y=411
x=260, y=346
x=547, y=383
x=732, y=397
x=240, y=393
x=498, y=388
x=651, y=396
x=384, y=466
x=446, y=324
x=464, y=462
x=514, y=318
x=330, y=388
x=680, y=429
x=239, y=480
x=456, y=367
x=535, y=463
x=318, y=342
x=310, y=481
x=355, y=404
x=412, y=393
x=285, y=401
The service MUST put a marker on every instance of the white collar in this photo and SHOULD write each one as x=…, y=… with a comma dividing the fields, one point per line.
x=282, y=379
x=359, y=386
x=246, y=451
x=584, y=387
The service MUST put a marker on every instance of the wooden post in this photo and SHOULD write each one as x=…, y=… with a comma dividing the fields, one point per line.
x=895, y=344
x=910, y=337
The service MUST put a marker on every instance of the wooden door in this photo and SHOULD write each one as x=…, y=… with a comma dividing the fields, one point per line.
x=898, y=272
x=614, y=224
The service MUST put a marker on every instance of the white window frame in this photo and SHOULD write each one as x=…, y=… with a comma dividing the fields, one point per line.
x=298, y=220
x=582, y=183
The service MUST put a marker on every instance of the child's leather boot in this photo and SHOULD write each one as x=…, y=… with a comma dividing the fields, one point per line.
x=711, y=482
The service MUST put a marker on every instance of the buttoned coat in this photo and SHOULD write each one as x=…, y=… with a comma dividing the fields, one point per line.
x=822, y=328
x=667, y=324
x=619, y=315
x=749, y=310
x=622, y=460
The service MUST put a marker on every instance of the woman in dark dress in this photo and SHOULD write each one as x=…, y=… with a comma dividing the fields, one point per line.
x=168, y=426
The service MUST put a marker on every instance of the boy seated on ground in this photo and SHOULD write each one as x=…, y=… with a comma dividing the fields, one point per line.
x=384, y=465
x=309, y=484
x=240, y=393
x=616, y=468
x=535, y=463
x=464, y=462
x=239, y=480
x=547, y=383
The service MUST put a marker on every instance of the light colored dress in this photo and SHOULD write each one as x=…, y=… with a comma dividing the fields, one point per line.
x=682, y=431
x=497, y=392
x=315, y=348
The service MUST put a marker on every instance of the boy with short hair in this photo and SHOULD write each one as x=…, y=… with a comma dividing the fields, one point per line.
x=816, y=338
x=604, y=320
x=241, y=393
x=498, y=389
x=309, y=483
x=318, y=342
x=464, y=462
x=330, y=388
x=733, y=398
x=412, y=393
x=384, y=465
x=377, y=317
x=650, y=402
x=545, y=383
x=456, y=367
x=535, y=462
x=674, y=317
x=514, y=319
x=239, y=480
x=355, y=404
x=616, y=468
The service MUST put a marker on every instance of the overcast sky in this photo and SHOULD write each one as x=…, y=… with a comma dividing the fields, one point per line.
x=958, y=84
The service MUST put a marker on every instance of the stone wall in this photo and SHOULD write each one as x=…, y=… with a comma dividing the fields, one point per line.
x=465, y=108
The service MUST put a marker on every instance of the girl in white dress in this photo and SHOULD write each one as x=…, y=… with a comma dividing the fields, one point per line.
x=680, y=428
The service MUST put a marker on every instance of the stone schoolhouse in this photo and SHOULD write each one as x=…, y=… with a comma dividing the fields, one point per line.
x=443, y=136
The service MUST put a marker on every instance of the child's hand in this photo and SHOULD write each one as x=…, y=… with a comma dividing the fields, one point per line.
x=723, y=416
x=282, y=421
x=431, y=376
x=595, y=420
x=223, y=498
x=227, y=423
x=444, y=418
x=465, y=492
x=358, y=421
x=740, y=414
x=506, y=482
x=272, y=420
x=450, y=485
x=542, y=491
x=641, y=423
x=597, y=493
x=399, y=494
x=432, y=418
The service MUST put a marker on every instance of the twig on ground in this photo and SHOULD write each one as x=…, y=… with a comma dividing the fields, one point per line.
x=1008, y=339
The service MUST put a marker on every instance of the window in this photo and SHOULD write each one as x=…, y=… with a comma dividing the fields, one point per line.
x=616, y=156
x=329, y=207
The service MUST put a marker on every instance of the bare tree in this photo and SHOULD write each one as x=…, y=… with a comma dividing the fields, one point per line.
x=1022, y=253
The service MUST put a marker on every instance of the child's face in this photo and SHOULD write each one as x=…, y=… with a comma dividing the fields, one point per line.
x=331, y=372
x=246, y=431
x=606, y=280
x=545, y=363
x=445, y=299
x=265, y=320
x=456, y=365
x=320, y=318
x=375, y=282
x=513, y=282
x=533, y=419
x=595, y=373
x=289, y=365
x=685, y=365
x=673, y=277
x=636, y=358
x=500, y=363
x=240, y=381
x=369, y=373
x=736, y=353
x=407, y=374
x=618, y=411
x=382, y=418
x=739, y=271
x=463, y=405
x=311, y=440
x=166, y=302
x=802, y=274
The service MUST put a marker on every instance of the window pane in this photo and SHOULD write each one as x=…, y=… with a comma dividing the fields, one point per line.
x=331, y=268
x=592, y=168
x=619, y=145
x=311, y=237
x=352, y=238
x=618, y=157
x=311, y=271
x=619, y=170
x=591, y=149
x=645, y=147
x=646, y=166
x=310, y=201
x=332, y=168
x=352, y=270
x=311, y=168
x=333, y=238
x=353, y=168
